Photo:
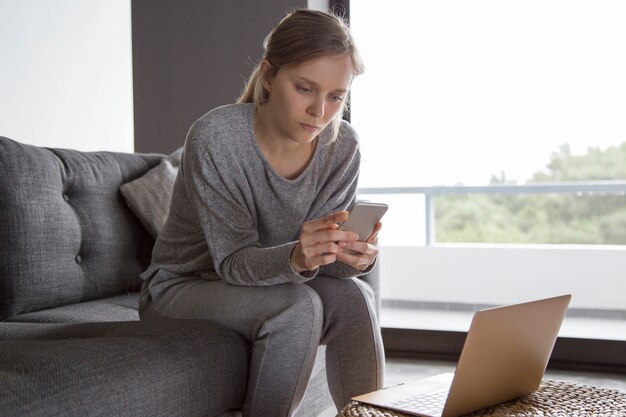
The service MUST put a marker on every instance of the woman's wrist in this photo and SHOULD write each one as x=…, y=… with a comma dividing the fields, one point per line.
x=296, y=257
x=368, y=267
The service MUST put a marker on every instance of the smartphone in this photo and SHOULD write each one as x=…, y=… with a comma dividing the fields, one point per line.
x=363, y=218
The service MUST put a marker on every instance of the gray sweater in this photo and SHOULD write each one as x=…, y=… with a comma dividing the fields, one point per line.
x=232, y=217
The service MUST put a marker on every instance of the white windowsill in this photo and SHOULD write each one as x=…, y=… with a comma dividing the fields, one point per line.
x=575, y=327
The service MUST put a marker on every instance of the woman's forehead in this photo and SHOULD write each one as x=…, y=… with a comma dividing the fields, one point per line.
x=332, y=72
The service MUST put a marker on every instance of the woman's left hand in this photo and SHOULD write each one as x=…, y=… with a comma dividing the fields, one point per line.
x=360, y=255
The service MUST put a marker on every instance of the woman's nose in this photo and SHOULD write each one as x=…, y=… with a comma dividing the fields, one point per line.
x=316, y=109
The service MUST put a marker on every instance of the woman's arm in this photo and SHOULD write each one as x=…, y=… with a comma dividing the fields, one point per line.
x=227, y=221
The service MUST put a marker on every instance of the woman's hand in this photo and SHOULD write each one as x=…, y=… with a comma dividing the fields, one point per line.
x=360, y=255
x=320, y=242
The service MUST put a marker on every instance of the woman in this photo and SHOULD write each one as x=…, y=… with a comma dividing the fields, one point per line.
x=251, y=241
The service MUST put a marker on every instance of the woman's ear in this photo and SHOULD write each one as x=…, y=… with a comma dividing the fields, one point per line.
x=267, y=75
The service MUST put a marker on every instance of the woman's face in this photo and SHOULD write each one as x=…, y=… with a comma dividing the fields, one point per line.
x=305, y=98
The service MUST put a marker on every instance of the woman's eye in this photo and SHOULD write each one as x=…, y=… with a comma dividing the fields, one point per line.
x=336, y=98
x=304, y=90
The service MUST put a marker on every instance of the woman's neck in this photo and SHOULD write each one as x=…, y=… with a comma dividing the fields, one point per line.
x=288, y=158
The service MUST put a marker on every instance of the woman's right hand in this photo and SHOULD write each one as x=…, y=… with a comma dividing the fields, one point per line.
x=318, y=244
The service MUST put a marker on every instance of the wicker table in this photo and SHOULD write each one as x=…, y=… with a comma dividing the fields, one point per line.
x=553, y=398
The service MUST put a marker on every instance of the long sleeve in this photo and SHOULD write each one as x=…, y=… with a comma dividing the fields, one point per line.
x=228, y=222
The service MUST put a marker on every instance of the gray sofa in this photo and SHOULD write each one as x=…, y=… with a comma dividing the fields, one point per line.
x=71, y=343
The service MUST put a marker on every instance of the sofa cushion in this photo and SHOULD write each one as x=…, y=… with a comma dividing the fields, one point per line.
x=67, y=235
x=159, y=368
x=117, y=308
x=149, y=196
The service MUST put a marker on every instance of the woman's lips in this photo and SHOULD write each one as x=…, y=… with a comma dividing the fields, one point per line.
x=309, y=128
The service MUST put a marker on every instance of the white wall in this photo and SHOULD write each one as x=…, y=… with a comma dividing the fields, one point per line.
x=318, y=5
x=503, y=274
x=66, y=73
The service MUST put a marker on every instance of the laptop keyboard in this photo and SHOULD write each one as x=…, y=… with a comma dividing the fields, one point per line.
x=423, y=403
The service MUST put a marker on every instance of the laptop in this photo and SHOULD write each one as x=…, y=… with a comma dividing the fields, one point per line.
x=504, y=357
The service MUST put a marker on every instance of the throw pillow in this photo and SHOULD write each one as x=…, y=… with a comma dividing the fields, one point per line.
x=149, y=195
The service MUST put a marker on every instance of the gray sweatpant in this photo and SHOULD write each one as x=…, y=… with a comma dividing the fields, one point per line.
x=285, y=324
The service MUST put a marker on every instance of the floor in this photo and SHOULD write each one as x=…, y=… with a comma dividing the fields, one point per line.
x=403, y=370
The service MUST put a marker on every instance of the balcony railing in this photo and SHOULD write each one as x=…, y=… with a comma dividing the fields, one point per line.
x=580, y=188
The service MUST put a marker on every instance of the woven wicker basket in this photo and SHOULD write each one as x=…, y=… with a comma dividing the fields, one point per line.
x=551, y=399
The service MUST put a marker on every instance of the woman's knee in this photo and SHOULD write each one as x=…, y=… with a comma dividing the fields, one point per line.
x=346, y=302
x=343, y=292
x=297, y=319
x=299, y=301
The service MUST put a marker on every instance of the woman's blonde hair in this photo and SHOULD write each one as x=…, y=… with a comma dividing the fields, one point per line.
x=301, y=36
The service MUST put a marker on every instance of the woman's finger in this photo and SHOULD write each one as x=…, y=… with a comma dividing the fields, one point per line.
x=327, y=222
x=356, y=260
x=322, y=236
x=374, y=236
x=357, y=254
x=311, y=251
x=367, y=248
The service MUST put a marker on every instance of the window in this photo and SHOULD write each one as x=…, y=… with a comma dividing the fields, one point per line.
x=479, y=106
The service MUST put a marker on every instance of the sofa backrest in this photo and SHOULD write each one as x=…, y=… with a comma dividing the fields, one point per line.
x=66, y=234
